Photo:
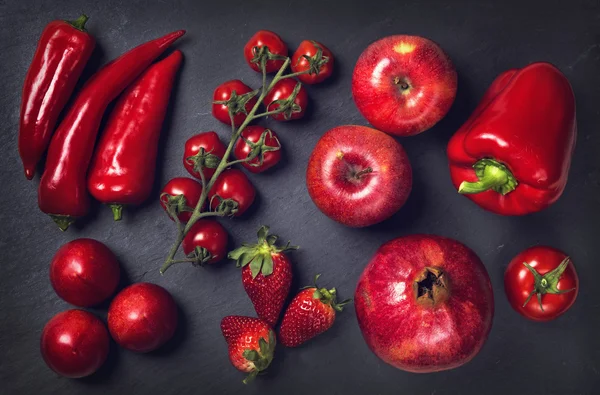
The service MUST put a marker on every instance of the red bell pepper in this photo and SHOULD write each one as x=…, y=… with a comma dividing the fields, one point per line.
x=122, y=170
x=512, y=156
x=61, y=55
x=62, y=193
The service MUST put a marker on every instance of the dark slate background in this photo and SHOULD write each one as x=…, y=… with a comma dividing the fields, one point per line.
x=482, y=37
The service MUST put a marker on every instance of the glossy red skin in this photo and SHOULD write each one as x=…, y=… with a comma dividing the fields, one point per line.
x=223, y=93
x=124, y=162
x=74, y=343
x=419, y=338
x=208, y=234
x=519, y=282
x=142, y=317
x=211, y=143
x=281, y=91
x=84, y=272
x=300, y=63
x=187, y=187
x=427, y=69
x=233, y=184
x=241, y=334
x=526, y=121
x=60, y=57
x=63, y=187
x=242, y=149
x=373, y=198
x=275, y=45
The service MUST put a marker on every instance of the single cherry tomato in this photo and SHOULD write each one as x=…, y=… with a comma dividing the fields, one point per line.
x=74, y=343
x=232, y=184
x=277, y=48
x=182, y=194
x=269, y=148
x=214, y=150
x=541, y=283
x=280, y=93
x=211, y=237
x=84, y=272
x=233, y=91
x=307, y=57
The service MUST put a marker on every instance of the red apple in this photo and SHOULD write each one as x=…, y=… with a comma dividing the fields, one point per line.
x=142, y=317
x=425, y=303
x=403, y=85
x=84, y=272
x=74, y=343
x=358, y=176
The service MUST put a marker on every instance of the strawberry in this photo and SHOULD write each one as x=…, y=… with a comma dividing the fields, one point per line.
x=266, y=274
x=251, y=343
x=309, y=314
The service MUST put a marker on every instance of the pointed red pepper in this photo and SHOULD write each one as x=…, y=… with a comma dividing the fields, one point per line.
x=513, y=154
x=122, y=170
x=61, y=55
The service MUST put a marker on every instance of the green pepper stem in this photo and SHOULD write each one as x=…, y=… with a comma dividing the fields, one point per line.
x=117, y=210
x=63, y=221
x=79, y=23
x=492, y=175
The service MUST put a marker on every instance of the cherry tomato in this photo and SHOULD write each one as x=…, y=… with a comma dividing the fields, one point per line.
x=545, y=289
x=324, y=63
x=74, y=343
x=265, y=38
x=233, y=184
x=84, y=272
x=189, y=188
x=207, y=234
x=214, y=151
x=224, y=93
x=281, y=91
x=253, y=134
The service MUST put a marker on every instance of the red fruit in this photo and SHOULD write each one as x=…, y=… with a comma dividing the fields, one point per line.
x=232, y=193
x=403, y=85
x=142, y=317
x=310, y=313
x=213, y=151
x=255, y=49
x=181, y=195
x=261, y=142
x=424, y=303
x=251, y=344
x=206, y=241
x=547, y=274
x=266, y=274
x=289, y=96
x=313, y=56
x=74, y=343
x=358, y=176
x=234, y=94
x=84, y=272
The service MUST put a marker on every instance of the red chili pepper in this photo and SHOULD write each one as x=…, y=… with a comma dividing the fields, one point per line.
x=62, y=193
x=62, y=52
x=122, y=170
x=512, y=156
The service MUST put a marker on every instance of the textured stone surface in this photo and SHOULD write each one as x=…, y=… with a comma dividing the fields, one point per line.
x=483, y=39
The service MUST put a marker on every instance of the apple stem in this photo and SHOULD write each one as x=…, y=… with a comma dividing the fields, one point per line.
x=363, y=172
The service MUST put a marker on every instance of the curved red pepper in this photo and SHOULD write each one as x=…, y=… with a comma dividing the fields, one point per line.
x=122, y=170
x=62, y=193
x=61, y=55
x=513, y=154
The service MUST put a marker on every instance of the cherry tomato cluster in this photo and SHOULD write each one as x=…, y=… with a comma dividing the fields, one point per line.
x=257, y=149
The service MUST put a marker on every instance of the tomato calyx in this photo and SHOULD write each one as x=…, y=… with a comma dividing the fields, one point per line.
x=226, y=207
x=262, y=53
x=260, y=255
x=175, y=205
x=287, y=106
x=260, y=148
x=547, y=283
x=236, y=104
x=200, y=256
x=203, y=159
x=315, y=62
x=327, y=296
x=431, y=287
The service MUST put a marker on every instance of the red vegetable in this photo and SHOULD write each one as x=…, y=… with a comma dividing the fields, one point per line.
x=122, y=170
x=289, y=94
x=207, y=241
x=182, y=194
x=321, y=67
x=261, y=142
x=237, y=93
x=62, y=52
x=258, y=45
x=232, y=192
x=547, y=274
x=62, y=193
x=513, y=154
x=194, y=160
x=84, y=272
x=74, y=343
